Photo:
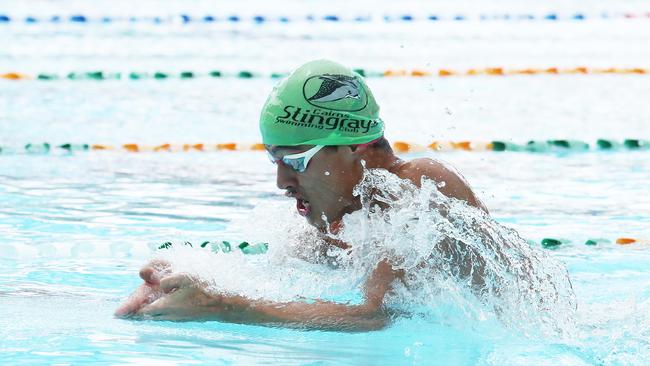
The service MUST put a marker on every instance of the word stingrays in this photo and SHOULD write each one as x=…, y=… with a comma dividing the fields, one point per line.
x=320, y=168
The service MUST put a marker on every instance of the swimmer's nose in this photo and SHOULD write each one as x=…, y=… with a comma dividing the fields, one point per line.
x=286, y=177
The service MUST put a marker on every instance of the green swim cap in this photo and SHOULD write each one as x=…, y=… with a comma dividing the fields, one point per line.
x=321, y=103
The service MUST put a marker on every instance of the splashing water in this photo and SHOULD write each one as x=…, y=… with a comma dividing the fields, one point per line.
x=292, y=269
x=456, y=256
x=459, y=263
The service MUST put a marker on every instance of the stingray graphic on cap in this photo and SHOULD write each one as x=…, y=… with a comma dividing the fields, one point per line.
x=336, y=87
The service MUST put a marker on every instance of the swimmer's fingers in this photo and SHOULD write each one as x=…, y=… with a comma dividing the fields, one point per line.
x=154, y=271
x=147, y=274
x=132, y=304
x=162, y=308
x=185, y=303
x=141, y=296
x=161, y=265
x=177, y=281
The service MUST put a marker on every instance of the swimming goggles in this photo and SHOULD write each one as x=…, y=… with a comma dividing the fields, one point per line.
x=297, y=162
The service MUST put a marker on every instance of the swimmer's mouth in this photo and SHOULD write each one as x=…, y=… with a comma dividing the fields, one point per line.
x=303, y=207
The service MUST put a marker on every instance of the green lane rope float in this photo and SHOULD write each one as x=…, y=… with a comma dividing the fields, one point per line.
x=542, y=146
x=224, y=246
x=554, y=243
x=185, y=18
x=262, y=248
x=248, y=74
x=533, y=146
x=154, y=75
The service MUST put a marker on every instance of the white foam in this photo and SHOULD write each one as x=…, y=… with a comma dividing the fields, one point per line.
x=521, y=287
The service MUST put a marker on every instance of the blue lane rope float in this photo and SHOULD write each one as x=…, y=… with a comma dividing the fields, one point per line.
x=248, y=74
x=328, y=18
x=533, y=146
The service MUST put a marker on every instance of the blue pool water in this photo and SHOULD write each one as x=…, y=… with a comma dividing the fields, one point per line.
x=75, y=228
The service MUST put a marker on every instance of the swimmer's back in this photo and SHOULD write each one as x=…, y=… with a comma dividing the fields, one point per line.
x=454, y=185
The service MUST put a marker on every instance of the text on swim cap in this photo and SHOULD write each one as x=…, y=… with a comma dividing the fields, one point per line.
x=321, y=119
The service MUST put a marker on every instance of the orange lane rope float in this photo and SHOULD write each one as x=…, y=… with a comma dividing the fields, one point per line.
x=391, y=73
x=261, y=248
x=552, y=243
x=532, y=146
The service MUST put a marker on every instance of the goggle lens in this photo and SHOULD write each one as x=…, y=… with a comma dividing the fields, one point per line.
x=297, y=162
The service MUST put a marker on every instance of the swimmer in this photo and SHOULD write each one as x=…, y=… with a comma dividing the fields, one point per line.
x=321, y=127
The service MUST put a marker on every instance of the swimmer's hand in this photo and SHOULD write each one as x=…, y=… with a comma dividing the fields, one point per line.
x=148, y=292
x=186, y=299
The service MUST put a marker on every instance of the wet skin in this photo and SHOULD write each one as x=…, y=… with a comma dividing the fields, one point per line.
x=334, y=172
x=327, y=186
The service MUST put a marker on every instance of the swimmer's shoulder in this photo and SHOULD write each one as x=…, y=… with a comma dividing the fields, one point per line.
x=454, y=185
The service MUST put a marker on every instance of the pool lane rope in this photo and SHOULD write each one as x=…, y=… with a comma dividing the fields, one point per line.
x=247, y=74
x=13, y=250
x=553, y=243
x=261, y=248
x=533, y=146
x=224, y=246
x=185, y=18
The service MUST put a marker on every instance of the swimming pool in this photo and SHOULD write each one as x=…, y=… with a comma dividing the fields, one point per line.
x=76, y=227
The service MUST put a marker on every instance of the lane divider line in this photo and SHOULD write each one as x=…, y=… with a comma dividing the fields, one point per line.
x=390, y=73
x=553, y=243
x=533, y=146
x=261, y=248
x=232, y=247
x=184, y=18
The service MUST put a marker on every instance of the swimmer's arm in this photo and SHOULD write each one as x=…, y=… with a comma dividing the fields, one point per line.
x=187, y=301
x=454, y=184
x=329, y=315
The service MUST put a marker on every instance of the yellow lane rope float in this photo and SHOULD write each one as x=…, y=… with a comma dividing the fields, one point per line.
x=246, y=74
x=532, y=146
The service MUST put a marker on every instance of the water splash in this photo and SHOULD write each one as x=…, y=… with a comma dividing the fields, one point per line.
x=456, y=257
x=460, y=265
x=615, y=333
x=292, y=269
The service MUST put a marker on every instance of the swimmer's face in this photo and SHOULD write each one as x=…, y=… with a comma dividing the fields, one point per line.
x=323, y=192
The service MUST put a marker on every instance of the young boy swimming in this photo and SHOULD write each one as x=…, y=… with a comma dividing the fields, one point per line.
x=322, y=129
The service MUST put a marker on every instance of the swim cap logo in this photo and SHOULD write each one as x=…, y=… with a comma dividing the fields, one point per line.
x=335, y=92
